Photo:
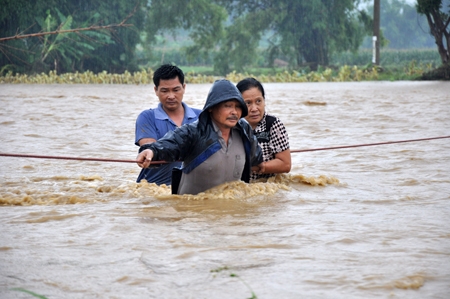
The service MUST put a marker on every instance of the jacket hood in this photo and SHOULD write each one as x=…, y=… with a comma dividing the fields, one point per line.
x=221, y=91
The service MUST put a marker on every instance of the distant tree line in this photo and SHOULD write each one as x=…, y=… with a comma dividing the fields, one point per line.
x=230, y=35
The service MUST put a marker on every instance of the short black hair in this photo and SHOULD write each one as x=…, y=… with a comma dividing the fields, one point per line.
x=248, y=83
x=167, y=72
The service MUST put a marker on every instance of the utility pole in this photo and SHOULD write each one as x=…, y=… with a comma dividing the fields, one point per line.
x=376, y=33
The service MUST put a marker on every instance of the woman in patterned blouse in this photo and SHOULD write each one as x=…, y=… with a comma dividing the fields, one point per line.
x=270, y=131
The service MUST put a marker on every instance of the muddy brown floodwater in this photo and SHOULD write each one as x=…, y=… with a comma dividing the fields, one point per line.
x=368, y=222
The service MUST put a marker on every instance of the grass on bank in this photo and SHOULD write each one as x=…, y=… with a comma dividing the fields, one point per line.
x=194, y=75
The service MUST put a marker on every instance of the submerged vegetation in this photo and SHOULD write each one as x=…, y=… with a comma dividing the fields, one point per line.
x=29, y=292
x=395, y=65
x=225, y=268
x=341, y=74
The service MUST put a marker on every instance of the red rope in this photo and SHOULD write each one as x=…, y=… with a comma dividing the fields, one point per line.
x=76, y=158
x=366, y=144
x=164, y=162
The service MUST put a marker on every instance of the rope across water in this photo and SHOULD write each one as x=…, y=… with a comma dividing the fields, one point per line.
x=367, y=144
x=164, y=162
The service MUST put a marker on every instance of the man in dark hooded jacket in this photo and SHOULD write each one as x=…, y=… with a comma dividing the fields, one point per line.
x=219, y=147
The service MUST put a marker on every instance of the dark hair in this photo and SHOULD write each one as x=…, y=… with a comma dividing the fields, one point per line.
x=248, y=83
x=167, y=72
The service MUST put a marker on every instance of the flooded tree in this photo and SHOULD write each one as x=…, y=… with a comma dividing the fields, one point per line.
x=438, y=17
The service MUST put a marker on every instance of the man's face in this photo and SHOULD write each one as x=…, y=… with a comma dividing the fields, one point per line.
x=226, y=114
x=170, y=93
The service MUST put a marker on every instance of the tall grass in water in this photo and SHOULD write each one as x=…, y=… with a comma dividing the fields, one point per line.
x=347, y=66
x=345, y=73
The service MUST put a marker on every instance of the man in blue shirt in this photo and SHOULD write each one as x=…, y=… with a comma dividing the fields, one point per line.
x=152, y=124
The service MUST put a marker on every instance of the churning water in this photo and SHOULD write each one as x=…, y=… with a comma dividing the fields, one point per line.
x=367, y=222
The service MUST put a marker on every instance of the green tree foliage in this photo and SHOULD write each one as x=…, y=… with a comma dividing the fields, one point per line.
x=68, y=52
x=438, y=17
x=311, y=31
x=66, y=49
x=203, y=19
x=303, y=31
x=239, y=44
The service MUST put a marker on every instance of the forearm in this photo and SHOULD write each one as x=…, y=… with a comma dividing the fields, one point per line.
x=146, y=141
x=275, y=166
x=280, y=164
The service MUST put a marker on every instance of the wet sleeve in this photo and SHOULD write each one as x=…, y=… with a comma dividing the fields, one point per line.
x=174, y=146
x=145, y=126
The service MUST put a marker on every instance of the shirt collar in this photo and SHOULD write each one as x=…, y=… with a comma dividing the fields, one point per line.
x=216, y=128
x=161, y=114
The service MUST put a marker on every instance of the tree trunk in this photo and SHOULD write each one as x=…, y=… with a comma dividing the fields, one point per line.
x=314, y=50
x=438, y=28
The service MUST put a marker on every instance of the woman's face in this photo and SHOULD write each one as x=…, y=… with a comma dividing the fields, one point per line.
x=256, y=105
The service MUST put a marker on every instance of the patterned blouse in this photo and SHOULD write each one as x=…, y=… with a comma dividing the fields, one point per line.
x=271, y=142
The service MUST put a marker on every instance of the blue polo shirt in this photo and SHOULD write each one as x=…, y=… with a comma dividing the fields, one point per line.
x=155, y=123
